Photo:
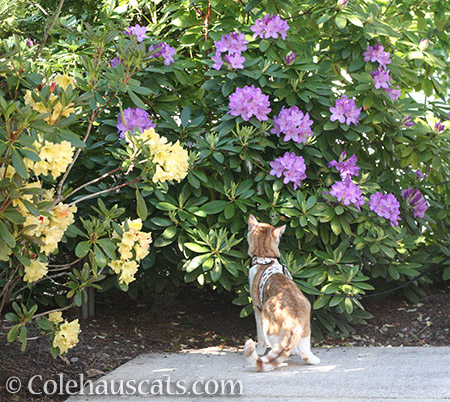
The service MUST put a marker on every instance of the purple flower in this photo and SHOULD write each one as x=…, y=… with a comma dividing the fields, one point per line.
x=218, y=62
x=295, y=125
x=116, y=61
x=137, y=31
x=249, y=101
x=407, y=121
x=420, y=174
x=415, y=199
x=386, y=206
x=438, y=127
x=348, y=193
x=165, y=50
x=342, y=4
x=233, y=44
x=290, y=166
x=377, y=54
x=235, y=60
x=345, y=111
x=381, y=78
x=31, y=43
x=133, y=119
x=290, y=58
x=393, y=93
x=270, y=27
x=346, y=168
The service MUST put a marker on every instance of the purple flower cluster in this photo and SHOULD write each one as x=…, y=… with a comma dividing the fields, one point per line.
x=386, y=206
x=346, y=168
x=290, y=166
x=348, y=193
x=376, y=53
x=233, y=45
x=249, y=101
x=116, y=61
x=270, y=27
x=381, y=78
x=165, y=50
x=295, y=125
x=137, y=31
x=345, y=111
x=133, y=119
x=415, y=199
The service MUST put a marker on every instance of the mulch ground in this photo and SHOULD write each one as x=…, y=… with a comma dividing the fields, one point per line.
x=124, y=329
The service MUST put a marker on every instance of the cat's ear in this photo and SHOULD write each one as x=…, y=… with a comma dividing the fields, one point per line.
x=252, y=222
x=277, y=232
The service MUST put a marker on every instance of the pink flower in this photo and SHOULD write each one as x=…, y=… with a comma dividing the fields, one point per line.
x=346, y=168
x=393, y=93
x=348, y=193
x=345, y=111
x=295, y=125
x=270, y=27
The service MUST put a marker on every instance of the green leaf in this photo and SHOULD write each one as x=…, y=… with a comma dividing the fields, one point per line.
x=82, y=249
x=6, y=235
x=99, y=256
x=341, y=21
x=12, y=334
x=348, y=305
x=196, y=262
x=165, y=206
x=214, y=207
x=18, y=164
x=197, y=248
x=136, y=100
x=141, y=207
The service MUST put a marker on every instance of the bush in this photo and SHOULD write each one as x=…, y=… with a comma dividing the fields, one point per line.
x=271, y=122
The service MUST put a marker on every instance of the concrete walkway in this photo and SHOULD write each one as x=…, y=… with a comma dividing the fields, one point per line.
x=351, y=374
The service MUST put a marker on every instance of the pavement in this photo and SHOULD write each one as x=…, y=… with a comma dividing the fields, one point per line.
x=347, y=374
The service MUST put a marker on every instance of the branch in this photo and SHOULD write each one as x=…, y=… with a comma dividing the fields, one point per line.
x=47, y=32
x=104, y=191
x=91, y=182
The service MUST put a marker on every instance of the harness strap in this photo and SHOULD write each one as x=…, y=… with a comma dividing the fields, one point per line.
x=274, y=267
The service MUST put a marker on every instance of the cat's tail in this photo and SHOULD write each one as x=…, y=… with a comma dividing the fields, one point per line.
x=275, y=357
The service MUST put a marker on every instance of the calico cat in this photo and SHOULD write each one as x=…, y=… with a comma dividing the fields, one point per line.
x=282, y=312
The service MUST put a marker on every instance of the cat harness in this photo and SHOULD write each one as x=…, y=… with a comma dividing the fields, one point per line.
x=274, y=268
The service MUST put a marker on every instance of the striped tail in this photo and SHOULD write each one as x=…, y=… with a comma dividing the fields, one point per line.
x=274, y=358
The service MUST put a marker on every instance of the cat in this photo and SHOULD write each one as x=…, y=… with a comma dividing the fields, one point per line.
x=283, y=316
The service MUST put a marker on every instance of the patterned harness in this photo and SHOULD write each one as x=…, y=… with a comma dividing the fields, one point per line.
x=274, y=268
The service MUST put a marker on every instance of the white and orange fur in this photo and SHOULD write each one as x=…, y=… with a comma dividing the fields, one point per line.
x=284, y=322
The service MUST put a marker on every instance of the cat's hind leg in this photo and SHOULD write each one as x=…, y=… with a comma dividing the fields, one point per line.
x=304, y=349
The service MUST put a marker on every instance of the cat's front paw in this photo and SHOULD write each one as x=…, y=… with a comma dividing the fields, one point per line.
x=311, y=359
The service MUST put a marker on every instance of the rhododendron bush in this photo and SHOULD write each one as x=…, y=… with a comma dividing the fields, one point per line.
x=135, y=160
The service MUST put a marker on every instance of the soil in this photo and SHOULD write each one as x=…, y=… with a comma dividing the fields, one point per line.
x=124, y=329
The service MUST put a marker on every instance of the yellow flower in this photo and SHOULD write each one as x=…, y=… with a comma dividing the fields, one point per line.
x=67, y=336
x=35, y=271
x=124, y=251
x=9, y=172
x=129, y=268
x=65, y=80
x=116, y=266
x=141, y=252
x=129, y=238
x=135, y=224
x=55, y=158
x=55, y=317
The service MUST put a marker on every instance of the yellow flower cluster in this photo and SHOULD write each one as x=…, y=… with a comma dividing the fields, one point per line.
x=132, y=240
x=55, y=158
x=55, y=317
x=56, y=110
x=50, y=229
x=171, y=159
x=35, y=271
x=67, y=336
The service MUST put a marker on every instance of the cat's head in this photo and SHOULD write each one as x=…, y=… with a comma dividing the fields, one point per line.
x=263, y=239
